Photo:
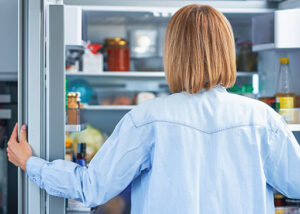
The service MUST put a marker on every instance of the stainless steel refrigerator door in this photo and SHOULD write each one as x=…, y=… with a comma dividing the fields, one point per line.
x=31, y=91
x=41, y=95
x=55, y=95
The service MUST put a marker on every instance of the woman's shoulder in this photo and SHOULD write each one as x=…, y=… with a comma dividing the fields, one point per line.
x=153, y=109
x=260, y=110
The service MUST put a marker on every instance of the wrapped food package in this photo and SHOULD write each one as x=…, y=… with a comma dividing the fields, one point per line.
x=143, y=96
x=93, y=139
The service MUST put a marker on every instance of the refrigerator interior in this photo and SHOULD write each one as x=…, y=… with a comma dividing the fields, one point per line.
x=96, y=26
x=99, y=25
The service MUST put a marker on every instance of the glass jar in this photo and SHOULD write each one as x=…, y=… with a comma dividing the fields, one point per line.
x=118, y=55
x=73, y=110
x=246, y=59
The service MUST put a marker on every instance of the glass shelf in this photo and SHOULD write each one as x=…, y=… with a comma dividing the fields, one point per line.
x=109, y=107
x=170, y=7
x=116, y=74
x=263, y=47
x=136, y=74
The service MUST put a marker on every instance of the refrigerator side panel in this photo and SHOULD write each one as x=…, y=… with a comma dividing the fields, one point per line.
x=55, y=100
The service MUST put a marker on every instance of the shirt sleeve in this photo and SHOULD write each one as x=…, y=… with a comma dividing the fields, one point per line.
x=125, y=154
x=282, y=165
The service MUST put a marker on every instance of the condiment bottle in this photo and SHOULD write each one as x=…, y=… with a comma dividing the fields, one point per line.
x=284, y=93
x=73, y=110
x=81, y=153
x=69, y=153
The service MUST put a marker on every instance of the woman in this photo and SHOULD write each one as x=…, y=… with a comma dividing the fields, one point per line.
x=199, y=150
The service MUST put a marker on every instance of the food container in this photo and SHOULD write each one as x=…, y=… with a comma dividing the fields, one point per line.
x=287, y=210
x=93, y=59
x=118, y=55
x=144, y=96
x=246, y=59
x=115, y=96
x=73, y=109
x=290, y=115
x=143, y=42
x=149, y=64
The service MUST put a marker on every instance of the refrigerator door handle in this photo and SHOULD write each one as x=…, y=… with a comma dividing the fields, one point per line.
x=22, y=182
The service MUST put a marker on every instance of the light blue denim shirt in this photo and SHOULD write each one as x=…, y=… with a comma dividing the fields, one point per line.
x=212, y=152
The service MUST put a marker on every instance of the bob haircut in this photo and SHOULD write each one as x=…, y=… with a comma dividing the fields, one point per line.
x=199, y=50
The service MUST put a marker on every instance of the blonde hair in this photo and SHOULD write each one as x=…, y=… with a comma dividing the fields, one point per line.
x=199, y=50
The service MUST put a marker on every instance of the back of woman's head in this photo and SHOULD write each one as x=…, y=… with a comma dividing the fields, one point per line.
x=199, y=50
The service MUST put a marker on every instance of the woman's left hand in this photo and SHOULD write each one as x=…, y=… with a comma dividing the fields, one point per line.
x=19, y=152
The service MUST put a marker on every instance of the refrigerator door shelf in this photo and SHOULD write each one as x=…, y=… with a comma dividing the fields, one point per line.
x=109, y=107
x=75, y=128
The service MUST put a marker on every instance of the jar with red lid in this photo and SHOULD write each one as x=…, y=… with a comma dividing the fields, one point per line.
x=118, y=54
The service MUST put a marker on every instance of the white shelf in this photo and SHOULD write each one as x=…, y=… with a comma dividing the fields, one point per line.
x=135, y=74
x=294, y=127
x=75, y=128
x=270, y=46
x=263, y=47
x=109, y=107
x=132, y=74
x=233, y=6
x=246, y=73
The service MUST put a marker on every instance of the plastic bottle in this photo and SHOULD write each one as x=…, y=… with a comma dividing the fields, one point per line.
x=285, y=96
x=284, y=93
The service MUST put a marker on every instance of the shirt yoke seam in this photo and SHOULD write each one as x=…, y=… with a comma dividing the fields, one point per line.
x=195, y=128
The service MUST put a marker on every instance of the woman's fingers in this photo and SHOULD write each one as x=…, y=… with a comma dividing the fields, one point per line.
x=19, y=153
x=23, y=134
x=14, y=134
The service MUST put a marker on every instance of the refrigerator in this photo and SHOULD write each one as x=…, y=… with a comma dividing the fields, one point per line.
x=46, y=29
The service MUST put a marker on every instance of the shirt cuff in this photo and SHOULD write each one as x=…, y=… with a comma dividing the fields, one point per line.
x=34, y=166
